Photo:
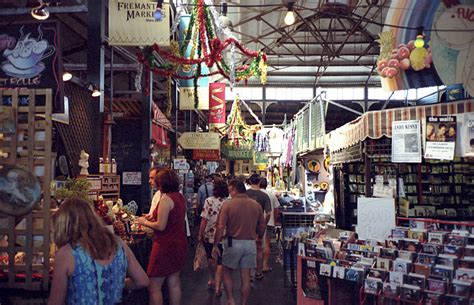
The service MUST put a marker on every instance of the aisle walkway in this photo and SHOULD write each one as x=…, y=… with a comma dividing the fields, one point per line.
x=270, y=290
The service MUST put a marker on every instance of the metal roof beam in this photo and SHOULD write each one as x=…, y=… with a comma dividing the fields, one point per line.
x=324, y=74
x=52, y=9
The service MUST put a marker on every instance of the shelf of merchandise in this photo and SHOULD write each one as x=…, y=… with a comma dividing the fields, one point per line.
x=107, y=186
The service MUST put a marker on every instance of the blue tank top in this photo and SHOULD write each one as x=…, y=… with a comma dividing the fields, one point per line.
x=93, y=283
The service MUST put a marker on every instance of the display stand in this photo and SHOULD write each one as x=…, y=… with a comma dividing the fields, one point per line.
x=29, y=147
x=107, y=186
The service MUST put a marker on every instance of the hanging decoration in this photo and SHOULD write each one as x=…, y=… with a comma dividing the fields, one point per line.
x=207, y=48
x=217, y=106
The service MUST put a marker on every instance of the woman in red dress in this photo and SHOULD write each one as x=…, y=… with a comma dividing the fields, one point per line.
x=168, y=255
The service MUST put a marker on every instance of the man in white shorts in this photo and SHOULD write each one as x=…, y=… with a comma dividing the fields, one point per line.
x=242, y=220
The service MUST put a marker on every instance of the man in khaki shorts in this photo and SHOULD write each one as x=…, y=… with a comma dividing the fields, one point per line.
x=242, y=220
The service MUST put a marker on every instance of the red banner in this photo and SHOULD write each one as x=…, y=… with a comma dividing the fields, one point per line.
x=206, y=154
x=216, y=105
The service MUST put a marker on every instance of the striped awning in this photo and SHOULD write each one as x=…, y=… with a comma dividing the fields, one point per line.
x=376, y=124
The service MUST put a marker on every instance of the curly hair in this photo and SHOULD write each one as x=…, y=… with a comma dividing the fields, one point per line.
x=220, y=189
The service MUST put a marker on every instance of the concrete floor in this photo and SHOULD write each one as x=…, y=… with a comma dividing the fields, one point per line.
x=269, y=291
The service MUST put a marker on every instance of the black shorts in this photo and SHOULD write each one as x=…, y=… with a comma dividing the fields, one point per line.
x=208, y=248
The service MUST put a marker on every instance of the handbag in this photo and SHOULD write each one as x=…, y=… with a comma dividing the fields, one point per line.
x=200, y=258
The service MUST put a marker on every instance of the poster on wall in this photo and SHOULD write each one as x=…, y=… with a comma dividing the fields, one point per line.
x=406, y=141
x=133, y=23
x=468, y=135
x=31, y=59
x=440, y=137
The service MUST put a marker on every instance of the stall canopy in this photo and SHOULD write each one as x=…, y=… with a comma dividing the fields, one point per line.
x=376, y=124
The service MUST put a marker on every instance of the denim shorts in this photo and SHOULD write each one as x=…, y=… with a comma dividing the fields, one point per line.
x=242, y=254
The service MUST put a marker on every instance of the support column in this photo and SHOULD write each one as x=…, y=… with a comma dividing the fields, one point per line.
x=145, y=142
x=264, y=104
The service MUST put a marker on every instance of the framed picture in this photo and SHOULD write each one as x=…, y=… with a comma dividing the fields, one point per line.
x=245, y=169
x=236, y=167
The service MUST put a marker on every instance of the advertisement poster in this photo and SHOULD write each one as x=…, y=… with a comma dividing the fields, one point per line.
x=468, y=136
x=310, y=279
x=406, y=141
x=133, y=23
x=440, y=137
x=375, y=217
x=132, y=178
x=217, y=107
x=31, y=58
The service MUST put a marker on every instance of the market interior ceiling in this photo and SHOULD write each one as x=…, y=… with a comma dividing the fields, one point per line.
x=328, y=46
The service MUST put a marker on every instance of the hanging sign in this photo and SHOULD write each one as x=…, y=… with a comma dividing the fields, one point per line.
x=207, y=154
x=236, y=153
x=440, y=137
x=186, y=88
x=200, y=140
x=31, y=59
x=406, y=141
x=133, y=23
x=217, y=114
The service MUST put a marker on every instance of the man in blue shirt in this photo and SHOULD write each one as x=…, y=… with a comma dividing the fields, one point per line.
x=205, y=191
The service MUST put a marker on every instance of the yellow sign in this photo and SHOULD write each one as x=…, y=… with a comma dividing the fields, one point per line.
x=200, y=140
x=133, y=23
x=186, y=98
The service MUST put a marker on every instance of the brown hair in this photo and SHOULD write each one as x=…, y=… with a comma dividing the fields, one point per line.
x=76, y=223
x=220, y=189
x=238, y=185
x=167, y=181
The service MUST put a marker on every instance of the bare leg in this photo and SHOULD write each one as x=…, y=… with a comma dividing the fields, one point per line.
x=245, y=285
x=218, y=278
x=266, y=253
x=212, y=270
x=259, y=243
x=174, y=288
x=228, y=285
x=154, y=290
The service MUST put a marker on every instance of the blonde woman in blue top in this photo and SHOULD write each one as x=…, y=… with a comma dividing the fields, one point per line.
x=92, y=266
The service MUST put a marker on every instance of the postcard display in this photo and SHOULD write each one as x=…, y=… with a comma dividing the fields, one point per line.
x=412, y=266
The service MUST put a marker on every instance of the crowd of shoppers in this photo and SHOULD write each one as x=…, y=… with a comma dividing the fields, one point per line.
x=93, y=264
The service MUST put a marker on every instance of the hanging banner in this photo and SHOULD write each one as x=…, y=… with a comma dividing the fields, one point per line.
x=186, y=86
x=440, y=137
x=133, y=23
x=467, y=137
x=207, y=154
x=217, y=107
x=406, y=141
x=31, y=59
x=237, y=153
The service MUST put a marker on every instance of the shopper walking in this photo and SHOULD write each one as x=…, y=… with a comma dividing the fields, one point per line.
x=207, y=231
x=168, y=254
x=255, y=193
x=91, y=264
x=204, y=192
x=242, y=220
x=270, y=225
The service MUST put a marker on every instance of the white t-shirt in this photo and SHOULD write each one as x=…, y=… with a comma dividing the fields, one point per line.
x=154, y=202
x=275, y=203
x=275, y=140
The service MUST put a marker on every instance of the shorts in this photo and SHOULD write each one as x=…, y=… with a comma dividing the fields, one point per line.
x=208, y=248
x=242, y=254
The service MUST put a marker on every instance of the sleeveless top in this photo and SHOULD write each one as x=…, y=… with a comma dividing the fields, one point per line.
x=175, y=227
x=93, y=283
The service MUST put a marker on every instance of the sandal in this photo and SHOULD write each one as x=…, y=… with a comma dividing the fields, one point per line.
x=211, y=285
x=268, y=269
x=218, y=293
x=259, y=276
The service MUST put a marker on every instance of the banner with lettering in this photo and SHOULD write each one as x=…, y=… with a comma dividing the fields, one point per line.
x=31, y=59
x=217, y=108
x=207, y=154
x=440, y=136
x=133, y=23
x=186, y=88
x=406, y=141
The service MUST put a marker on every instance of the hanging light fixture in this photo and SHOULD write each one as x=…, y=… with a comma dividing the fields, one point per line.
x=67, y=76
x=226, y=22
x=41, y=11
x=159, y=11
x=290, y=15
x=95, y=90
x=420, y=39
